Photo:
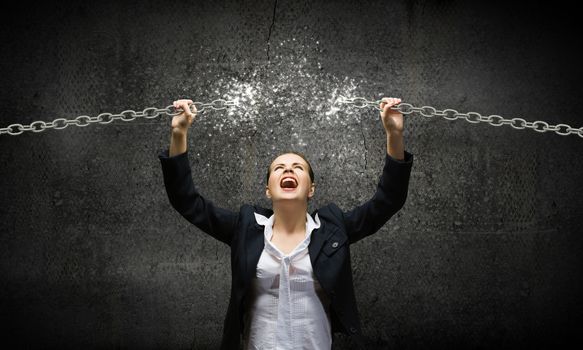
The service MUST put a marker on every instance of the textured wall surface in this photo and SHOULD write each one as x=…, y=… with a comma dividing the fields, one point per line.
x=486, y=253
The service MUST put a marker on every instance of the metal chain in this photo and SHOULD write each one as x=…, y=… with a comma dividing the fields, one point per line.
x=358, y=102
x=470, y=117
x=106, y=118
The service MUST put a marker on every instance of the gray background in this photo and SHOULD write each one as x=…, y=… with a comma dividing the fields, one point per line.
x=486, y=253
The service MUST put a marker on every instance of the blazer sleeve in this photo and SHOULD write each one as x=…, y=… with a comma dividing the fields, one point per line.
x=389, y=198
x=218, y=222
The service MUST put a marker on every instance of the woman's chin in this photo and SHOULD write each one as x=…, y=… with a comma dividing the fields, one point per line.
x=289, y=197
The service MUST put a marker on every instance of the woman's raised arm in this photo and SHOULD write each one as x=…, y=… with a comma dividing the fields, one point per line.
x=218, y=222
x=393, y=185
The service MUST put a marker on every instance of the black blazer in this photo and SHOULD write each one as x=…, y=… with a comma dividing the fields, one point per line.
x=329, y=247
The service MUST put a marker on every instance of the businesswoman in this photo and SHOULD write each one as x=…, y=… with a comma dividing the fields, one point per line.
x=291, y=278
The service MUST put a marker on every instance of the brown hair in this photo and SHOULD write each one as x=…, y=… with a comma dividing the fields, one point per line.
x=310, y=171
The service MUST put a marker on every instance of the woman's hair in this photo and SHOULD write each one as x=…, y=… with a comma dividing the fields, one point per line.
x=310, y=171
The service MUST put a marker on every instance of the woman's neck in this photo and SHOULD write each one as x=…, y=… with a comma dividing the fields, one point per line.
x=289, y=219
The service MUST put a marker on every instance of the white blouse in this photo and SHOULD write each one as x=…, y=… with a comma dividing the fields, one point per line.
x=288, y=309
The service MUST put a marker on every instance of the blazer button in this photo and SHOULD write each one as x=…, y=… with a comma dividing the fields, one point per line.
x=335, y=244
x=352, y=330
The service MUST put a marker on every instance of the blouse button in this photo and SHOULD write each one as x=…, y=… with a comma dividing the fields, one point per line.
x=335, y=244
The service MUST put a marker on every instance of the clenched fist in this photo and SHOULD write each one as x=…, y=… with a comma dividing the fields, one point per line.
x=182, y=121
x=392, y=119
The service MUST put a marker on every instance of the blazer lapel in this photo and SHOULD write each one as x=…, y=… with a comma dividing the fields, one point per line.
x=254, y=246
x=319, y=236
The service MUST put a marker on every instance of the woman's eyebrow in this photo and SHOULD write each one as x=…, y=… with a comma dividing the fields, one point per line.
x=284, y=164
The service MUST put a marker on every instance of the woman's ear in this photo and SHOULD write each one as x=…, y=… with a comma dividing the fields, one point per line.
x=312, y=190
x=267, y=193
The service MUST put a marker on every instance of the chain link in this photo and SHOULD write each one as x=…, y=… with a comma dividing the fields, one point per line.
x=106, y=118
x=470, y=117
x=358, y=102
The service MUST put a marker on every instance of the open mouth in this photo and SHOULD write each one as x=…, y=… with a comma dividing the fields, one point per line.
x=288, y=184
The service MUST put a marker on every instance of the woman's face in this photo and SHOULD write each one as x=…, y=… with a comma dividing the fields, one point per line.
x=289, y=179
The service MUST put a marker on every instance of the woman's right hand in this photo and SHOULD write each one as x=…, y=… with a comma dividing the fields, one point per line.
x=182, y=121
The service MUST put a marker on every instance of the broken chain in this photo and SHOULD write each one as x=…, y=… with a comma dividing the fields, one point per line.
x=106, y=118
x=470, y=117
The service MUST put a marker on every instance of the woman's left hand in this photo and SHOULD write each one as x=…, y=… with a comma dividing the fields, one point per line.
x=392, y=120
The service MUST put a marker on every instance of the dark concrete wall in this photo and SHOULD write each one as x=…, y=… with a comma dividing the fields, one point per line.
x=486, y=252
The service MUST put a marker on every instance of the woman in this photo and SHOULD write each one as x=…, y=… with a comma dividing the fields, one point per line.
x=291, y=279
